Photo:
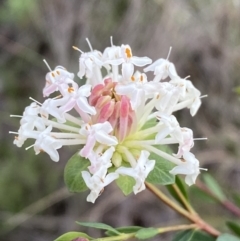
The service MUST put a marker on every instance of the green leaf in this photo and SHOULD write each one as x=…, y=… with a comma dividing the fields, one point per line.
x=214, y=187
x=145, y=233
x=227, y=237
x=98, y=226
x=72, y=235
x=201, y=195
x=73, y=173
x=236, y=198
x=192, y=235
x=152, y=122
x=129, y=229
x=160, y=174
x=126, y=183
x=179, y=183
x=234, y=227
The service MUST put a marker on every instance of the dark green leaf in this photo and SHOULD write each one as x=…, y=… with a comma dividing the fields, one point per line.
x=129, y=229
x=160, y=174
x=227, y=237
x=73, y=173
x=235, y=227
x=72, y=235
x=236, y=198
x=201, y=195
x=98, y=226
x=181, y=186
x=214, y=187
x=126, y=183
x=193, y=235
x=146, y=233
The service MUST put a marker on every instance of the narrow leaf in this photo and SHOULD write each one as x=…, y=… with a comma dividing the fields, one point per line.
x=146, y=233
x=129, y=229
x=193, y=235
x=73, y=235
x=234, y=227
x=126, y=183
x=181, y=186
x=73, y=173
x=227, y=237
x=214, y=187
x=98, y=226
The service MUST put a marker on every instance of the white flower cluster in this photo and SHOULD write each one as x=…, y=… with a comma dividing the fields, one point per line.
x=120, y=118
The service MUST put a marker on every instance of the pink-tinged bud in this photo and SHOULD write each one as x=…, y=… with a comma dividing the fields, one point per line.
x=114, y=108
x=106, y=112
x=127, y=119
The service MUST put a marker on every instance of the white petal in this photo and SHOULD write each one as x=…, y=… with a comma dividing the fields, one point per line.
x=140, y=61
x=127, y=70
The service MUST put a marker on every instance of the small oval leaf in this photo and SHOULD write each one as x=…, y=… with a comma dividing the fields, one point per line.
x=227, y=237
x=146, y=233
x=72, y=236
x=126, y=183
x=73, y=173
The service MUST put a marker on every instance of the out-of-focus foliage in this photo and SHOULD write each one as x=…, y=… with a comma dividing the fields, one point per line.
x=205, y=36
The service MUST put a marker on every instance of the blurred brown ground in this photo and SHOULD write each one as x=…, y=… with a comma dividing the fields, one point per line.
x=205, y=36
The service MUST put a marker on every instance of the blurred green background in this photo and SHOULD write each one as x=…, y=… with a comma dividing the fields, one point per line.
x=205, y=36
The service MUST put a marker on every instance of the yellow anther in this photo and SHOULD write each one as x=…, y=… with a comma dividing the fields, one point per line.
x=133, y=78
x=70, y=89
x=128, y=52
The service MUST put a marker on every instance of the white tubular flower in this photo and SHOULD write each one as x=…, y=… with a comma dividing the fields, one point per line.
x=169, y=96
x=98, y=160
x=55, y=79
x=187, y=142
x=50, y=107
x=130, y=61
x=97, y=182
x=139, y=172
x=48, y=144
x=193, y=95
x=189, y=167
x=97, y=133
x=136, y=90
x=77, y=97
x=170, y=127
x=89, y=65
x=162, y=69
x=113, y=55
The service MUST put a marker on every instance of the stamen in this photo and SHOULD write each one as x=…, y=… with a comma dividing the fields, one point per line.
x=187, y=77
x=204, y=169
x=203, y=96
x=170, y=50
x=47, y=65
x=111, y=40
x=13, y=132
x=89, y=44
x=57, y=97
x=35, y=101
x=200, y=139
x=29, y=147
x=20, y=116
x=78, y=49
